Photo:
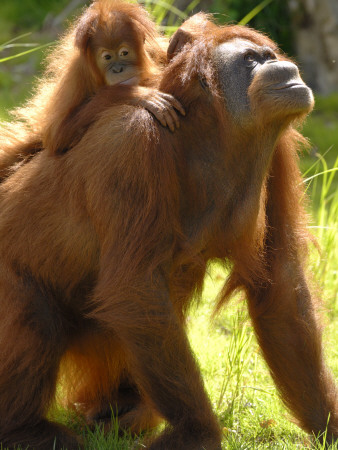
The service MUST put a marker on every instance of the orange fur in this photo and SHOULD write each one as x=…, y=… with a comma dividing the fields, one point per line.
x=49, y=118
x=104, y=249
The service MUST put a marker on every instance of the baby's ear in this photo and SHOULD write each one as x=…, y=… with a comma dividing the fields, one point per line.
x=86, y=27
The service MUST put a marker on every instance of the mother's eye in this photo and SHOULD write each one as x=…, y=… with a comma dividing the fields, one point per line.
x=269, y=55
x=250, y=57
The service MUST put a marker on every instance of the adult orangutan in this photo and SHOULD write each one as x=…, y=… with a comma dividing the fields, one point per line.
x=103, y=248
x=112, y=44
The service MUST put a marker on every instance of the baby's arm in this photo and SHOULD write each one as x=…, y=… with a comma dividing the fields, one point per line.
x=162, y=105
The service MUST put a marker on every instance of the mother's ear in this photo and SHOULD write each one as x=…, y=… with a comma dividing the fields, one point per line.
x=198, y=25
x=177, y=42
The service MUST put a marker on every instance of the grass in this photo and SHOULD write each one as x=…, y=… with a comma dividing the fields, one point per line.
x=321, y=128
x=28, y=15
x=238, y=380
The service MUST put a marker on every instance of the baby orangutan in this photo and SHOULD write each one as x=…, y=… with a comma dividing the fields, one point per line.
x=112, y=34
x=114, y=46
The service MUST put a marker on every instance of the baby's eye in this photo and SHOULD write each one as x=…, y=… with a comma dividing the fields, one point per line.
x=106, y=55
x=124, y=52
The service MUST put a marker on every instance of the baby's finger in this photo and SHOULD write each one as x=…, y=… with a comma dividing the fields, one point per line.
x=169, y=119
x=174, y=102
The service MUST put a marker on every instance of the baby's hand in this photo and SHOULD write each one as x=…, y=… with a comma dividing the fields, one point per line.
x=163, y=107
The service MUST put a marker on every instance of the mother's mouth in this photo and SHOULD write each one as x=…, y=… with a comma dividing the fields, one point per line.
x=290, y=85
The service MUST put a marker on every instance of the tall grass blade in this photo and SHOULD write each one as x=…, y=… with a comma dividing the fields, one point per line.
x=246, y=19
x=35, y=49
x=15, y=39
x=169, y=7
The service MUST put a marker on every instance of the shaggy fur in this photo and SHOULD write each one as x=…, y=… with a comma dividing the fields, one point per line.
x=104, y=248
x=50, y=118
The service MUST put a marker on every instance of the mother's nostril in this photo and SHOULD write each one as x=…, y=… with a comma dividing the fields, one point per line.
x=280, y=71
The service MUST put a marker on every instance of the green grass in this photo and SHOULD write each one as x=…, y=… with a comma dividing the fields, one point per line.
x=321, y=128
x=26, y=15
x=249, y=408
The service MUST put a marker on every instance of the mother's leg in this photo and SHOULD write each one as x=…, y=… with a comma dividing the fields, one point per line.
x=160, y=360
x=33, y=337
